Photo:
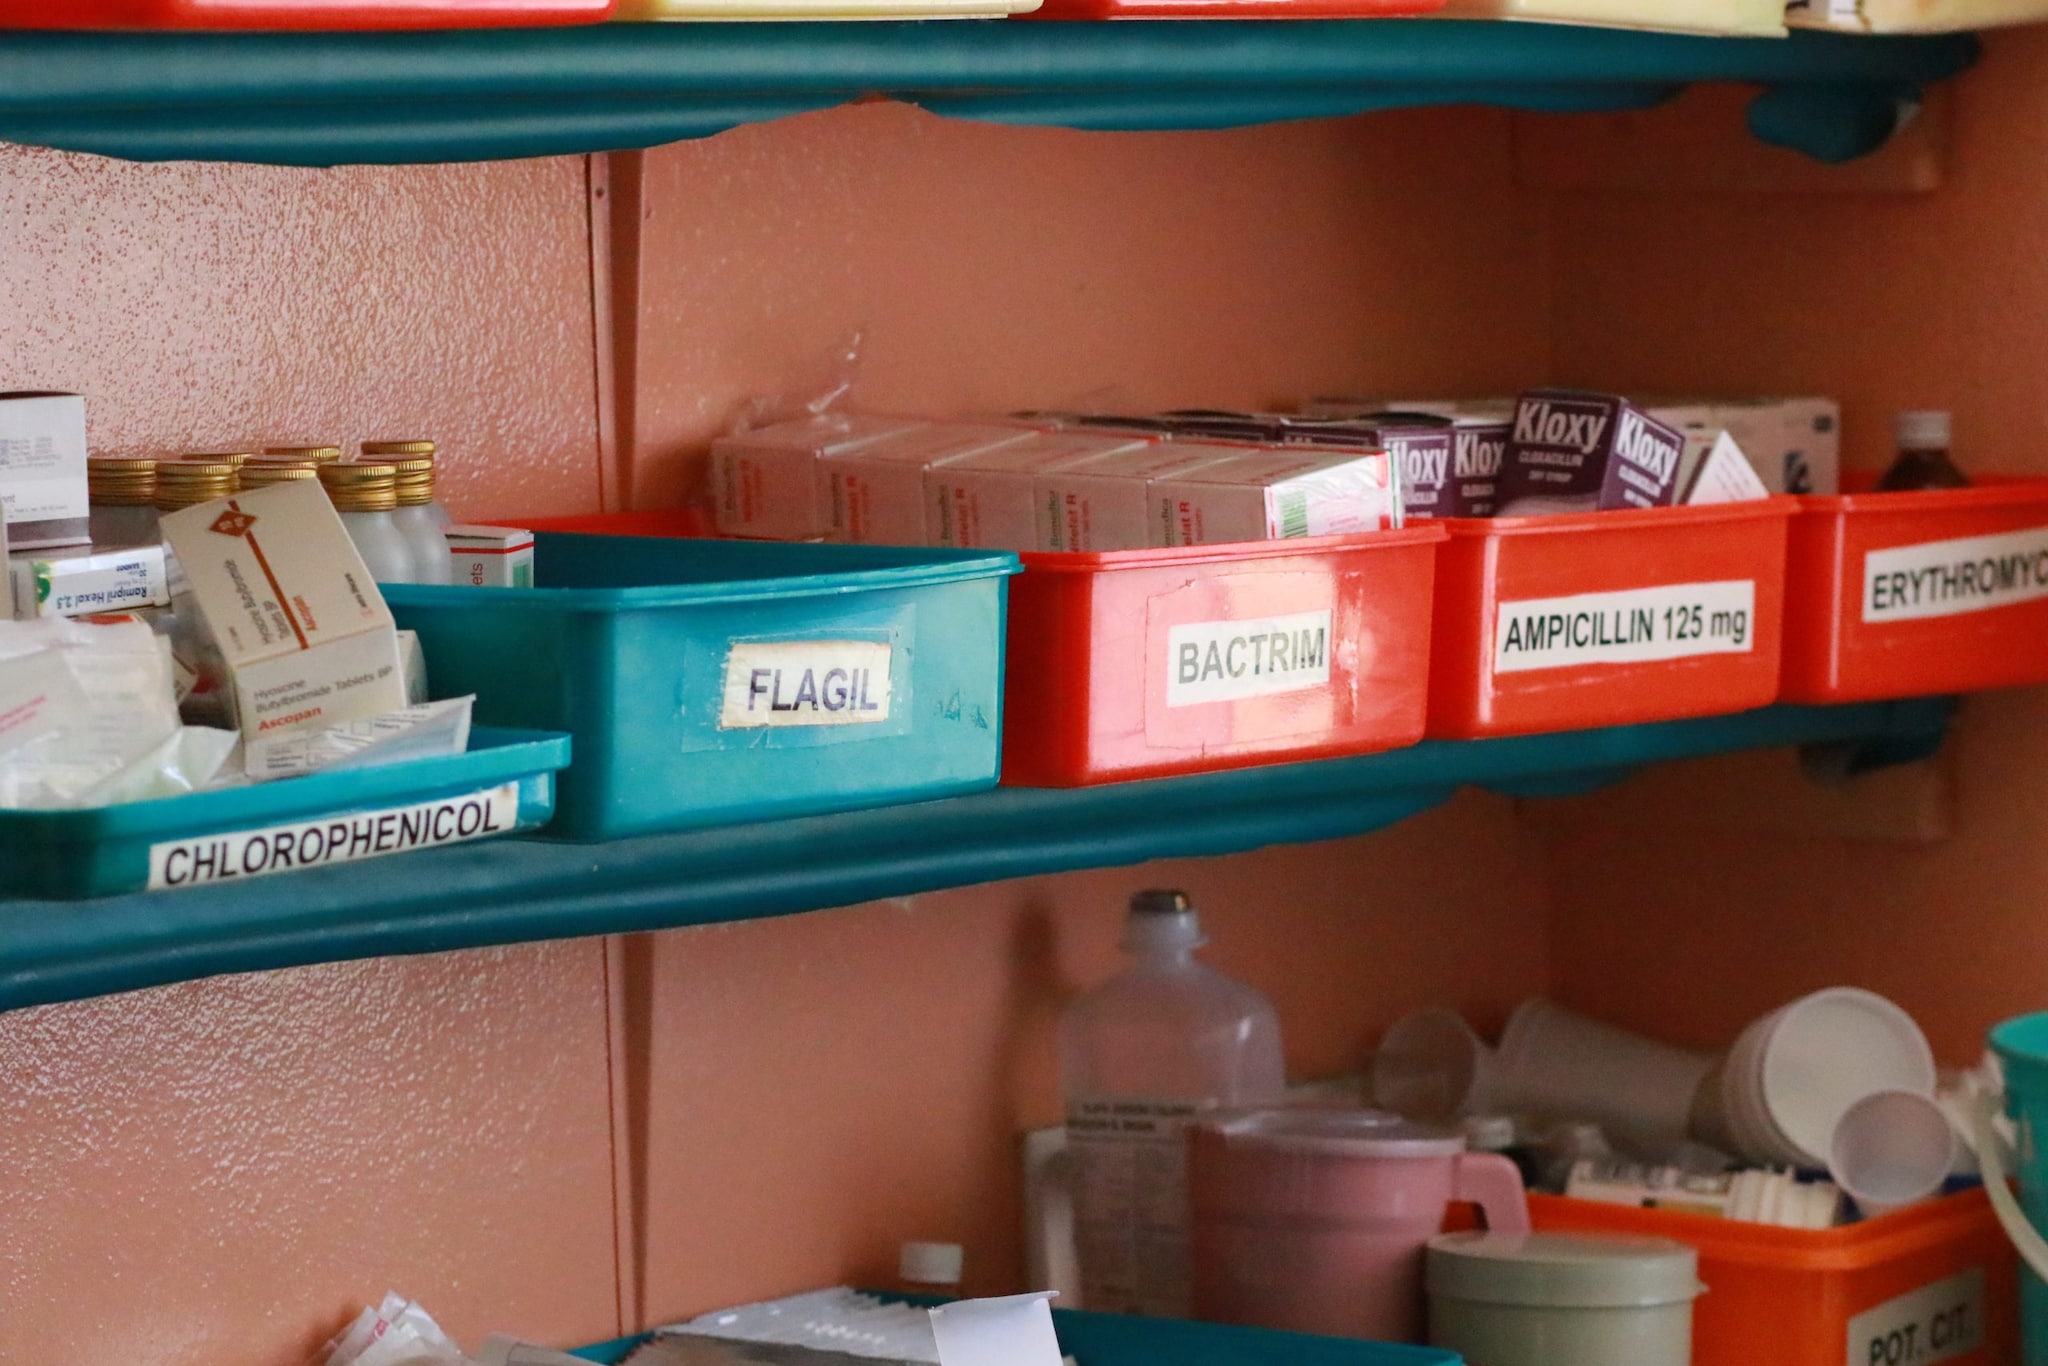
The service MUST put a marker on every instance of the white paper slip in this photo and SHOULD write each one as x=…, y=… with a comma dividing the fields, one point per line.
x=1013, y=1331
x=1222, y=661
x=1937, y=1322
x=1949, y=578
x=1633, y=626
x=805, y=683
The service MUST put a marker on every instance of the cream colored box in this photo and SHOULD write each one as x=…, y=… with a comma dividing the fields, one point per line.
x=767, y=482
x=1276, y=495
x=43, y=493
x=490, y=557
x=84, y=583
x=877, y=492
x=305, y=636
x=1106, y=503
x=989, y=500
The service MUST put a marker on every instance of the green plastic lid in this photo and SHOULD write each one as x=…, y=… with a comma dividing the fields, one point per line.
x=1562, y=1270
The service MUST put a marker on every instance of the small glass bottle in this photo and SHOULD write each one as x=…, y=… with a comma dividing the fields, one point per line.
x=122, y=490
x=192, y=479
x=415, y=518
x=1923, y=461
x=234, y=460
x=265, y=471
x=365, y=493
x=313, y=455
x=417, y=449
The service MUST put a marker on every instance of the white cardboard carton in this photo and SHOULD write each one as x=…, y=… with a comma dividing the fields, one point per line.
x=877, y=490
x=301, y=628
x=1723, y=474
x=989, y=500
x=42, y=470
x=1276, y=495
x=767, y=482
x=82, y=583
x=490, y=557
x=1106, y=504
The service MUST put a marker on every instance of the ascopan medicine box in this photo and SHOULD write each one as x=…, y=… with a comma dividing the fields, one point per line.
x=305, y=636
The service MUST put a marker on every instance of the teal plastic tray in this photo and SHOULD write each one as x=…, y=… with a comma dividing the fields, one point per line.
x=718, y=682
x=1120, y=1340
x=505, y=783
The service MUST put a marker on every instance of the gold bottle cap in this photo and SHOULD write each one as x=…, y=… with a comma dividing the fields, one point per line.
x=318, y=455
x=234, y=458
x=121, y=480
x=182, y=483
x=361, y=485
x=264, y=471
x=415, y=480
x=389, y=448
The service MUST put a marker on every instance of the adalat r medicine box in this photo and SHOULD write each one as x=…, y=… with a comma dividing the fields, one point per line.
x=1276, y=495
x=1106, y=503
x=877, y=491
x=302, y=630
x=767, y=483
x=989, y=500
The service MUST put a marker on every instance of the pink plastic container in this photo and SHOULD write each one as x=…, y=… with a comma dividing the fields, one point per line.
x=1315, y=1221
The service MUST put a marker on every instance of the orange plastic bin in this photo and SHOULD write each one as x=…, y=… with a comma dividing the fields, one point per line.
x=1142, y=663
x=1931, y=1283
x=1907, y=594
x=1606, y=618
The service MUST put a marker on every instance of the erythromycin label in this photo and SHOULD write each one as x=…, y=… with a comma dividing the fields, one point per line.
x=805, y=683
x=1220, y=661
x=1947, y=578
x=1634, y=626
x=1935, y=1323
x=208, y=860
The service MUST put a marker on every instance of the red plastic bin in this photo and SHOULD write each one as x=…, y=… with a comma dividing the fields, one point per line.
x=298, y=14
x=1934, y=1282
x=1906, y=594
x=1605, y=618
x=1142, y=663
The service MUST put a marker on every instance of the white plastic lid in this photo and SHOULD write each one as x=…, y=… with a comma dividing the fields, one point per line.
x=1332, y=1132
x=1162, y=920
x=930, y=1263
x=1562, y=1270
x=1488, y=1133
x=1922, y=430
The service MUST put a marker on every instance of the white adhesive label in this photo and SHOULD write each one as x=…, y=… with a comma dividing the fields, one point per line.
x=1947, y=578
x=805, y=683
x=1635, y=626
x=1131, y=1203
x=1935, y=1323
x=1220, y=661
x=208, y=860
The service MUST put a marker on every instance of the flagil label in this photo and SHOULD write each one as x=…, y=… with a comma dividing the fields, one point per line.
x=1948, y=578
x=208, y=860
x=805, y=683
x=1220, y=661
x=1634, y=626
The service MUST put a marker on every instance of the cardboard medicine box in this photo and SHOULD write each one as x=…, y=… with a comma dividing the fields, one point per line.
x=990, y=499
x=42, y=470
x=878, y=490
x=1277, y=495
x=1572, y=451
x=1106, y=504
x=81, y=583
x=767, y=482
x=301, y=628
x=490, y=557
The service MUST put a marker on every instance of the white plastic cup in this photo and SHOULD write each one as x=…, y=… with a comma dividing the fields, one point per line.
x=1431, y=1067
x=1776, y=1097
x=1892, y=1149
x=1557, y=1063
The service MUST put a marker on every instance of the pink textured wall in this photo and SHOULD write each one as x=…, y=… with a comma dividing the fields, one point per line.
x=1938, y=300
x=225, y=307
x=828, y=1087
x=223, y=1172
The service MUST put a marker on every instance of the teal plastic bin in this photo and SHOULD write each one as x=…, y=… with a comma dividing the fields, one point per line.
x=717, y=682
x=1120, y=1340
x=504, y=784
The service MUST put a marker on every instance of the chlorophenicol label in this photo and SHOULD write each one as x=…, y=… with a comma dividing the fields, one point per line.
x=805, y=683
x=1633, y=626
x=1947, y=578
x=1935, y=1323
x=1221, y=661
x=209, y=860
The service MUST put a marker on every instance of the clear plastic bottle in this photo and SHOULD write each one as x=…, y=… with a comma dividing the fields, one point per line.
x=1141, y=1055
x=315, y=456
x=122, y=491
x=415, y=518
x=266, y=470
x=365, y=493
x=418, y=448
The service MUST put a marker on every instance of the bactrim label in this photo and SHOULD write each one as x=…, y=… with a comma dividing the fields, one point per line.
x=1222, y=661
x=1936, y=1323
x=208, y=860
x=1633, y=626
x=1948, y=578
x=805, y=683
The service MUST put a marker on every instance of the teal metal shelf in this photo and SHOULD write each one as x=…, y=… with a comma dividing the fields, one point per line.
x=511, y=891
x=328, y=99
